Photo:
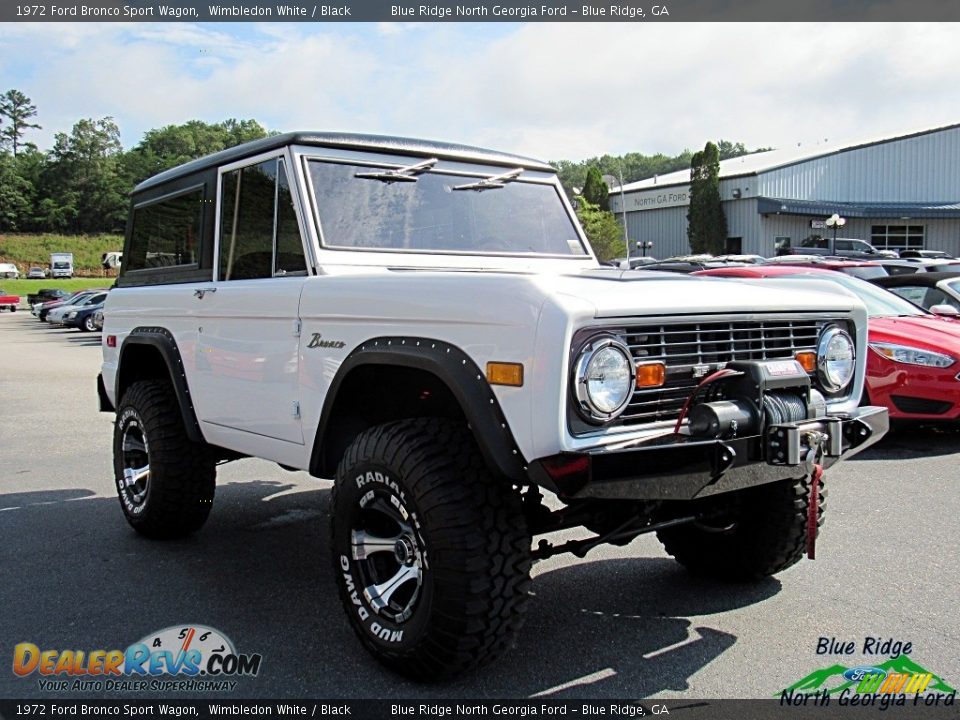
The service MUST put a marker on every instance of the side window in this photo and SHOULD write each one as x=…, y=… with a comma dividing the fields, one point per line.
x=936, y=296
x=166, y=233
x=912, y=293
x=289, y=256
x=259, y=235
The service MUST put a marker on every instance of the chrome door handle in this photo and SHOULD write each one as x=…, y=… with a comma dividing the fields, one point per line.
x=200, y=292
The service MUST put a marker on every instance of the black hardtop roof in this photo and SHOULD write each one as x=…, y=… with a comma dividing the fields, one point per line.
x=918, y=278
x=350, y=141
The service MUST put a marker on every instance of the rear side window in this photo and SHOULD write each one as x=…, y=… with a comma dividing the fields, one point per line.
x=259, y=234
x=166, y=232
x=912, y=293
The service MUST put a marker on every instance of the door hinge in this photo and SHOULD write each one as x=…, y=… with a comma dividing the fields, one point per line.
x=296, y=409
x=297, y=324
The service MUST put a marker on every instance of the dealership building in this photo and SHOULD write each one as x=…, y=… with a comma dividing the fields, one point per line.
x=896, y=192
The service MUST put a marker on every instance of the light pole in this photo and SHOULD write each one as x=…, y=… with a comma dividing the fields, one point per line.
x=623, y=205
x=834, y=221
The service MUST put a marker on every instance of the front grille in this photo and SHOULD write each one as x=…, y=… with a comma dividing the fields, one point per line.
x=686, y=346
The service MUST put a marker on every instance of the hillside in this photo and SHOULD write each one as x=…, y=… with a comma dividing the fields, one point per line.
x=27, y=251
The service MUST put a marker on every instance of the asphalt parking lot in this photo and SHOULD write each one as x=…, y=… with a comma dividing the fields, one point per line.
x=623, y=623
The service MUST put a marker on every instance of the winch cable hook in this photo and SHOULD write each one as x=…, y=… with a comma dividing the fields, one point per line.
x=813, y=503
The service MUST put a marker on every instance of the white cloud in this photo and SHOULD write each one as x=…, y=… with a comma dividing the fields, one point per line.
x=554, y=90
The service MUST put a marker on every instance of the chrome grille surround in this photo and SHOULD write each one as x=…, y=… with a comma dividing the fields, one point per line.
x=693, y=348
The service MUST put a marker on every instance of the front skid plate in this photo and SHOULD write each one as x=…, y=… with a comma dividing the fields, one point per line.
x=680, y=468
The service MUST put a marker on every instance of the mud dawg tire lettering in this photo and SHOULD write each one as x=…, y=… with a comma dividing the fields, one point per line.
x=763, y=533
x=431, y=552
x=165, y=482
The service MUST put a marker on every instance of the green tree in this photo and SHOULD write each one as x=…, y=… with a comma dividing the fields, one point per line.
x=602, y=229
x=17, y=109
x=595, y=190
x=85, y=180
x=173, y=145
x=15, y=195
x=707, y=225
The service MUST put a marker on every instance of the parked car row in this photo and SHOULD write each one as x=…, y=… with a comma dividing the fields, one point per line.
x=913, y=360
x=79, y=310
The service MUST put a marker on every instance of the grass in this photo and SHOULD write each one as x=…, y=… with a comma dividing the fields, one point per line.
x=26, y=251
x=25, y=287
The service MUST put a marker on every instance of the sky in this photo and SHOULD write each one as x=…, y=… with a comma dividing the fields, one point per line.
x=548, y=90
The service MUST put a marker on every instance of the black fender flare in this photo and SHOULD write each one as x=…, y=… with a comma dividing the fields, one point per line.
x=163, y=341
x=459, y=373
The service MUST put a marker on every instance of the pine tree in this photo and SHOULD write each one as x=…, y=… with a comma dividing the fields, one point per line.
x=17, y=109
x=707, y=224
x=595, y=190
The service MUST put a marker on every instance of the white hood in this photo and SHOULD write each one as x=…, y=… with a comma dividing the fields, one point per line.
x=631, y=293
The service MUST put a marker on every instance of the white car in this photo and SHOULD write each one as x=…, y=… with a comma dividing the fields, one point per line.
x=36, y=273
x=427, y=324
x=9, y=271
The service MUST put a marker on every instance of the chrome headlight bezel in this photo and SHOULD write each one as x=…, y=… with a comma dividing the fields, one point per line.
x=590, y=409
x=835, y=379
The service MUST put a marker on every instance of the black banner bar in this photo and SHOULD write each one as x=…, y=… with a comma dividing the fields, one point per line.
x=635, y=11
x=815, y=707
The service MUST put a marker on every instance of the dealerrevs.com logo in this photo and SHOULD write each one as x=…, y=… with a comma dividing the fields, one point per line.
x=181, y=657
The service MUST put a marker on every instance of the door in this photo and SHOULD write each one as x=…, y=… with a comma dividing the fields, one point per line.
x=248, y=335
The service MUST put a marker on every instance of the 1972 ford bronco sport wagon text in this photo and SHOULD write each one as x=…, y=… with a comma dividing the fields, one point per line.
x=426, y=323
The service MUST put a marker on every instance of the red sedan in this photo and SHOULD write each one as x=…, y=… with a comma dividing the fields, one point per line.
x=913, y=363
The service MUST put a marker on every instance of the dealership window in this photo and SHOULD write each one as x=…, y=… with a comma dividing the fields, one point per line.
x=897, y=237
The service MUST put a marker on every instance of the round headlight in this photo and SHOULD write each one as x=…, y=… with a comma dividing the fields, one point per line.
x=604, y=379
x=836, y=359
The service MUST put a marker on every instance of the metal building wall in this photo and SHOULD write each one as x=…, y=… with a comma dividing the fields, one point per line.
x=666, y=229
x=925, y=168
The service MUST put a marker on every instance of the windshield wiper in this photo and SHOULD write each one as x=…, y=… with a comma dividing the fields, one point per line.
x=494, y=183
x=404, y=174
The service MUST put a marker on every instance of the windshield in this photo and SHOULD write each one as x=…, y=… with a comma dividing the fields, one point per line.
x=435, y=212
x=879, y=302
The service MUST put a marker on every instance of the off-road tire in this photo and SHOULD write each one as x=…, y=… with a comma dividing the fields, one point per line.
x=177, y=492
x=768, y=533
x=470, y=539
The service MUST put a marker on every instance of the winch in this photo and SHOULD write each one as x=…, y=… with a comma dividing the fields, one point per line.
x=771, y=398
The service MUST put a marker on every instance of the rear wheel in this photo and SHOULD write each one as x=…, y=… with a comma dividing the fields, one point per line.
x=756, y=533
x=164, y=480
x=430, y=550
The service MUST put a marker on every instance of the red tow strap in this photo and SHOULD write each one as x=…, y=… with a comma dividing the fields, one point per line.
x=813, y=509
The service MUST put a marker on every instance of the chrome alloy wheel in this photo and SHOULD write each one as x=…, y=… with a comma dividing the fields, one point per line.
x=136, y=464
x=388, y=555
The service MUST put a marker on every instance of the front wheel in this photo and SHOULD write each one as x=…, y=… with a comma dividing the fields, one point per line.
x=754, y=533
x=164, y=480
x=87, y=324
x=431, y=551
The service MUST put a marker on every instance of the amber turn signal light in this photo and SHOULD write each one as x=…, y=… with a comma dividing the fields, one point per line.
x=651, y=375
x=807, y=360
x=501, y=373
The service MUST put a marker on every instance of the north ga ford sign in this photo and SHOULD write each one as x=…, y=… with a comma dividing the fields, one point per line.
x=652, y=199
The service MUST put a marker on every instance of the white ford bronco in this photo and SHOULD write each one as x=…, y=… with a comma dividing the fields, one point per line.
x=426, y=324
